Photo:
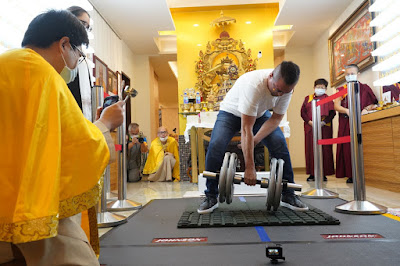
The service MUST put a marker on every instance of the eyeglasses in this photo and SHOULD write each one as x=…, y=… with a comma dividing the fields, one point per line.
x=86, y=25
x=162, y=132
x=82, y=56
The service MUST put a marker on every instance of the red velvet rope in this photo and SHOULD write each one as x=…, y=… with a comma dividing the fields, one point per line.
x=118, y=147
x=345, y=139
x=332, y=97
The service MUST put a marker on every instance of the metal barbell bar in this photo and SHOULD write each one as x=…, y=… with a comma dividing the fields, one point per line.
x=227, y=178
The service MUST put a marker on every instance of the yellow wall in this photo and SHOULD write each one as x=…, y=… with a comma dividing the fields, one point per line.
x=257, y=37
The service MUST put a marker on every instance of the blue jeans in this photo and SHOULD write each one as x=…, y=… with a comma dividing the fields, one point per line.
x=226, y=126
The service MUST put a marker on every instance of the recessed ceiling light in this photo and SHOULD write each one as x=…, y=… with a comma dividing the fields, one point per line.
x=199, y=44
x=195, y=25
x=167, y=32
x=248, y=22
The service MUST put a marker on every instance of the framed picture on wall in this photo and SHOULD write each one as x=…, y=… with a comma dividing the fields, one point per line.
x=112, y=82
x=351, y=44
x=100, y=72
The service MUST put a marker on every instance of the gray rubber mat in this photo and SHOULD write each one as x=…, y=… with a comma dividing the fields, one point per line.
x=255, y=217
x=135, y=242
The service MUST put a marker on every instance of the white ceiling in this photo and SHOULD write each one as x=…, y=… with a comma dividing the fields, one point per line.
x=137, y=22
x=310, y=18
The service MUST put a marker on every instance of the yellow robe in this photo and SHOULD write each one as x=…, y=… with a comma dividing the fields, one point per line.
x=156, y=156
x=51, y=158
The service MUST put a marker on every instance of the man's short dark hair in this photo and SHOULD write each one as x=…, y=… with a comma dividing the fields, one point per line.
x=321, y=82
x=288, y=71
x=353, y=65
x=77, y=11
x=51, y=26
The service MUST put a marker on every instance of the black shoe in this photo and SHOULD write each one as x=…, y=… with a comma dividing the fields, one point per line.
x=311, y=178
x=349, y=180
x=325, y=179
x=208, y=205
x=293, y=202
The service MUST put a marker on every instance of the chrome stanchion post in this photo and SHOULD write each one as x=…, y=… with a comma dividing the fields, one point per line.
x=97, y=97
x=123, y=204
x=318, y=192
x=104, y=218
x=359, y=205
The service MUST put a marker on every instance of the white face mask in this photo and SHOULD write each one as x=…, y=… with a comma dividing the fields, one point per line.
x=319, y=92
x=352, y=77
x=163, y=139
x=134, y=136
x=68, y=74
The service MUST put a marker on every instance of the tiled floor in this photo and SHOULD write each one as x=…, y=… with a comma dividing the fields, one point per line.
x=145, y=191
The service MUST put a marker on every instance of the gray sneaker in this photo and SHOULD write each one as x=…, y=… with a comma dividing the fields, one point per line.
x=208, y=205
x=293, y=202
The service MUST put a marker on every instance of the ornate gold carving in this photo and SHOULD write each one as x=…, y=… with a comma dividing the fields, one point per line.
x=224, y=59
x=222, y=21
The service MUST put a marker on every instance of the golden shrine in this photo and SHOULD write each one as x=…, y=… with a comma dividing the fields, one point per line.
x=221, y=64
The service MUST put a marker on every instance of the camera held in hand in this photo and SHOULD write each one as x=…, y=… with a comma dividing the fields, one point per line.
x=140, y=139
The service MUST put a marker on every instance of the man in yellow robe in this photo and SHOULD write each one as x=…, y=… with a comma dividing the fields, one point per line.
x=52, y=158
x=163, y=161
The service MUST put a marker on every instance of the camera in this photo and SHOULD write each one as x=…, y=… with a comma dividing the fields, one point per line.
x=274, y=253
x=110, y=100
x=140, y=139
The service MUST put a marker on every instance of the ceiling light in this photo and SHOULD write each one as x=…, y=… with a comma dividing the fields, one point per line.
x=248, y=22
x=379, y=5
x=387, y=48
x=387, y=64
x=388, y=80
x=387, y=32
x=195, y=25
x=166, y=32
x=199, y=44
x=282, y=27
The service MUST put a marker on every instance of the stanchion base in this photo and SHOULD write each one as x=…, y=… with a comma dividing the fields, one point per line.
x=111, y=196
x=112, y=199
x=319, y=194
x=361, y=207
x=108, y=219
x=123, y=205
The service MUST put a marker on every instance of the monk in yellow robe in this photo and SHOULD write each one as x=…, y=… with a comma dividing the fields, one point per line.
x=163, y=161
x=52, y=158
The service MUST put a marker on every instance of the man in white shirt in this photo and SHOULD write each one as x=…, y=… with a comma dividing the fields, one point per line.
x=246, y=108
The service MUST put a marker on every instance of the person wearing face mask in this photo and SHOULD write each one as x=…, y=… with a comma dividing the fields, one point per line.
x=137, y=148
x=327, y=114
x=163, y=161
x=52, y=158
x=78, y=80
x=246, y=108
x=368, y=102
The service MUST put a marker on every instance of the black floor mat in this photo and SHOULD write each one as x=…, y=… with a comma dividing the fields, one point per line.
x=252, y=214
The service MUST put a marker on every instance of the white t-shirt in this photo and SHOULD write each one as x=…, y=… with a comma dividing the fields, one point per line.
x=250, y=96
